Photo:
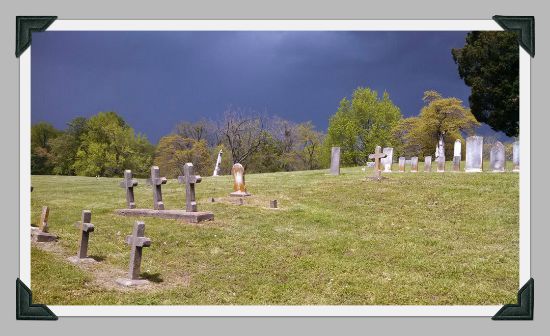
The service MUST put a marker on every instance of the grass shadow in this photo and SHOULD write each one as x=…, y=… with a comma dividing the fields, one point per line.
x=153, y=277
x=97, y=258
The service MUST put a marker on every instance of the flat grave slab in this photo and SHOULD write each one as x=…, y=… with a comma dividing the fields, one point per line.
x=190, y=217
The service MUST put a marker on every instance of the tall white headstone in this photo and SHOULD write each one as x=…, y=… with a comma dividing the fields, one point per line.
x=218, y=163
x=388, y=160
x=457, y=155
x=497, y=158
x=474, y=154
x=515, y=156
x=440, y=155
x=335, y=161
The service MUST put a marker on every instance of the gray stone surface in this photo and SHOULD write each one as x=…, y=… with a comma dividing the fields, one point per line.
x=414, y=164
x=190, y=217
x=218, y=163
x=402, y=164
x=440, y=154
x=515, y=156
x=474, y=154
x=189, y=179
x=156, y=181
x=129, y=183
x=335, y=161
x=456, y=164
x=137, y=242
x=497, y=157
x=132, y=282
x=41, y=234
x=239, y=185
x=85, y=225
x=377, y=173
x=428, y=164
x=388, y=160
x=44, y=215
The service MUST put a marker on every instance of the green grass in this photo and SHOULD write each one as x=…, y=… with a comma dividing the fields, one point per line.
x=412, y=239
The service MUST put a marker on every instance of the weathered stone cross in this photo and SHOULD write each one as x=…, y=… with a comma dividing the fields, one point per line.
x=156, y=181
x=43, y=225
x=129, y=183
x=189, y=178
x=377, y=156
x=137, y=241
x=85, y=227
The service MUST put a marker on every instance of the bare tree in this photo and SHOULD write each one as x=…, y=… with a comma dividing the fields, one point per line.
x=243, y=133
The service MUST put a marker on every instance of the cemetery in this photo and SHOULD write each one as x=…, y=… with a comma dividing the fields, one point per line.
x=319, y=188
x=394, y=233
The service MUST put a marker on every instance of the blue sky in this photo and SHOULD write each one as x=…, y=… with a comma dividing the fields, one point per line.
x=156, y=79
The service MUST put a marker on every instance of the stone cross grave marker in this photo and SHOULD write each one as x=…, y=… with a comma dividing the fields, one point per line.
x=474, y=154
x=515, y=156
x=218, y=163
x=427, y=164
x=239, y=186
x=388, y=160
x=497, y=157
x=457, y=155
x=156, y=181
x=137, y=242
x=129, y=183
x=414, y=164
x=377, y=156
x=85, y=225
x=43, y=224
x=335, y=161
x=41, y=233
x=402, y=164
x=189, y=179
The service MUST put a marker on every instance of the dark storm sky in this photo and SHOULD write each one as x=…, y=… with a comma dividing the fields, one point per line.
x=156, y=79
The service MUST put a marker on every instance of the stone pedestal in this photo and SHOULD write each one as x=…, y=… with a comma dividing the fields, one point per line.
x=190, y=217
x=42, y=237
x=132, y=282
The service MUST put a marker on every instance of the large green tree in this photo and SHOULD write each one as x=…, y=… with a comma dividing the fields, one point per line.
x=441, y=118
x=65, y=147
x=489, y=64
x=42, y=135
x=109, y=146
x=174, y=151
x=362, y=123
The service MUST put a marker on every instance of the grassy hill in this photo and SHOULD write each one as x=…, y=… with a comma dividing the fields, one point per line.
x=412, y=239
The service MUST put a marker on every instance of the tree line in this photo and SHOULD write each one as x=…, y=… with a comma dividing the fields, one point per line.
x=105, y=144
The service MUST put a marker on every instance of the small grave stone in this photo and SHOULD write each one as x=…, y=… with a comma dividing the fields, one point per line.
x=218, y=163
x=273, y=204
x=474, y=154
x=402, y=164
x=377, y=175
x=212, y=199
x=85, y=226
x=440, y=155
x=388, y=160
x=497, y=157
x=156, y=181
x=414, y=164
x=137, y=241
x=428, y=164
x=129, y=183
x=189, y=179
x=335, y=161
x=457, y=155
x=41, y=233
x=239, y=187
x=515, y=156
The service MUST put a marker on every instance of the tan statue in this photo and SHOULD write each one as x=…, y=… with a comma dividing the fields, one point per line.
x=239, y=187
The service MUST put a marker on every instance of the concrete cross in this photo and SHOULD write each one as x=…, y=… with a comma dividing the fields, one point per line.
x=43, y=225
x=377, y=156
x=85, y=227
x=137, y=241
x=129, y=183
x=189, y=178
x=156, y=181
